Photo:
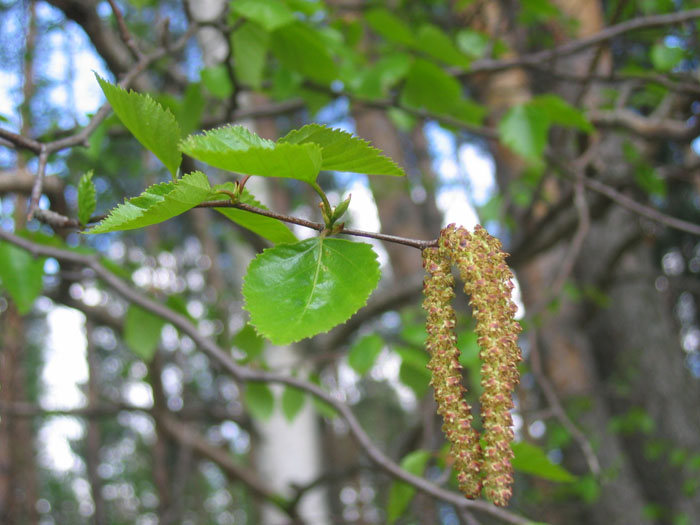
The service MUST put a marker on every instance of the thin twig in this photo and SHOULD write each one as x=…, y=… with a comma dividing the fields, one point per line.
x=38, y=182
x=539, y=58
x=584, y=224
x=242, y=373
x=414, y=243
x=641, y=209
x=557, y=408
x=124, y=32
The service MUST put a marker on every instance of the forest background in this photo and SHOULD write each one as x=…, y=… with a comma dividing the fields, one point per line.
x=133, y=389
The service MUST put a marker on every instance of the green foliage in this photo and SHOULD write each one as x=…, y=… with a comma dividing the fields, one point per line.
x=413, y=372
x=665, y=58
x=531, y=459
x=429, y=87
x=158, y=203
x=364, y=353
x=392, y=28
x=218, y=81
x=270, y=14
x=524, y=130
x=400, y=493
x=250, y=44
x=293, y=401
x=86, y=198
x=266, y=227
x=301, y=49
x=235, y=148
x=250, y=342
x=376, y=80
x=342, y=151
x=142, y=331
x=20, y=275
x=259, y=400
x=525, y=127
x=154, y=127
x=434, y=42
x=294, y=291
x=560, y=112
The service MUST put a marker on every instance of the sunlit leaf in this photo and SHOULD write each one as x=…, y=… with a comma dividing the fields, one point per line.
x=388, y=25
x=250, y=44
x=270, y=14
x=235, y=148
x=86, y=198
x=524, y=129
x=342, y=151
x=301, y=49
x=380, y=77
x=266, y=227
x=158, y=203
x=293, y=401
x=531, y=459
x=142, y=331
x=21, y=275
x=364, y=353
x=428, y=87
x=560, y=112
x=259, y=400
x=401, y=493
x=249, y=341
x=154, y=127
x=665, y=58
x=218, y=81
x=294, y=291
x=436, y=43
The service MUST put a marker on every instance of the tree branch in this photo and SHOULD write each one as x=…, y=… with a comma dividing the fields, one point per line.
x=537, y=59
x=241, y=373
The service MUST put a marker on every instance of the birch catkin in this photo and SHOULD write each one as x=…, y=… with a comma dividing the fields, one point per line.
x=488, y=282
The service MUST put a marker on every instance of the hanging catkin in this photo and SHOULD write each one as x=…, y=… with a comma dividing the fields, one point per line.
x=488, y=282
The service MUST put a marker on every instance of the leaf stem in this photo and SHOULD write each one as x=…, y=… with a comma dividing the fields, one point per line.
x=414, y=243
x=323, y=196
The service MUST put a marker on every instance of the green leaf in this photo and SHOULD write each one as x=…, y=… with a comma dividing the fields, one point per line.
x=294, y=291
x=293, y=401
x=158, y=203
x=413, y=372
x=301, y=49
x=154, y=127
x=364, y=353
x=401, y=493
x=325, y=409
x=270, y=14
x=86, y=198
x=384, y=23
x=428, y=86
x=217, y=80
x=259, y=400
x=560, y=112
x=250, y=43
x=342, y=151
x=472, y=43
x=142, y=331
x=649, y=180
x=665, y=58
x=437, y=44
x=524, y=129
x=380, y=77
x=21, y=275
x=533, y=460
x=235, y=148
x=268, y=228
x=250, y=342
